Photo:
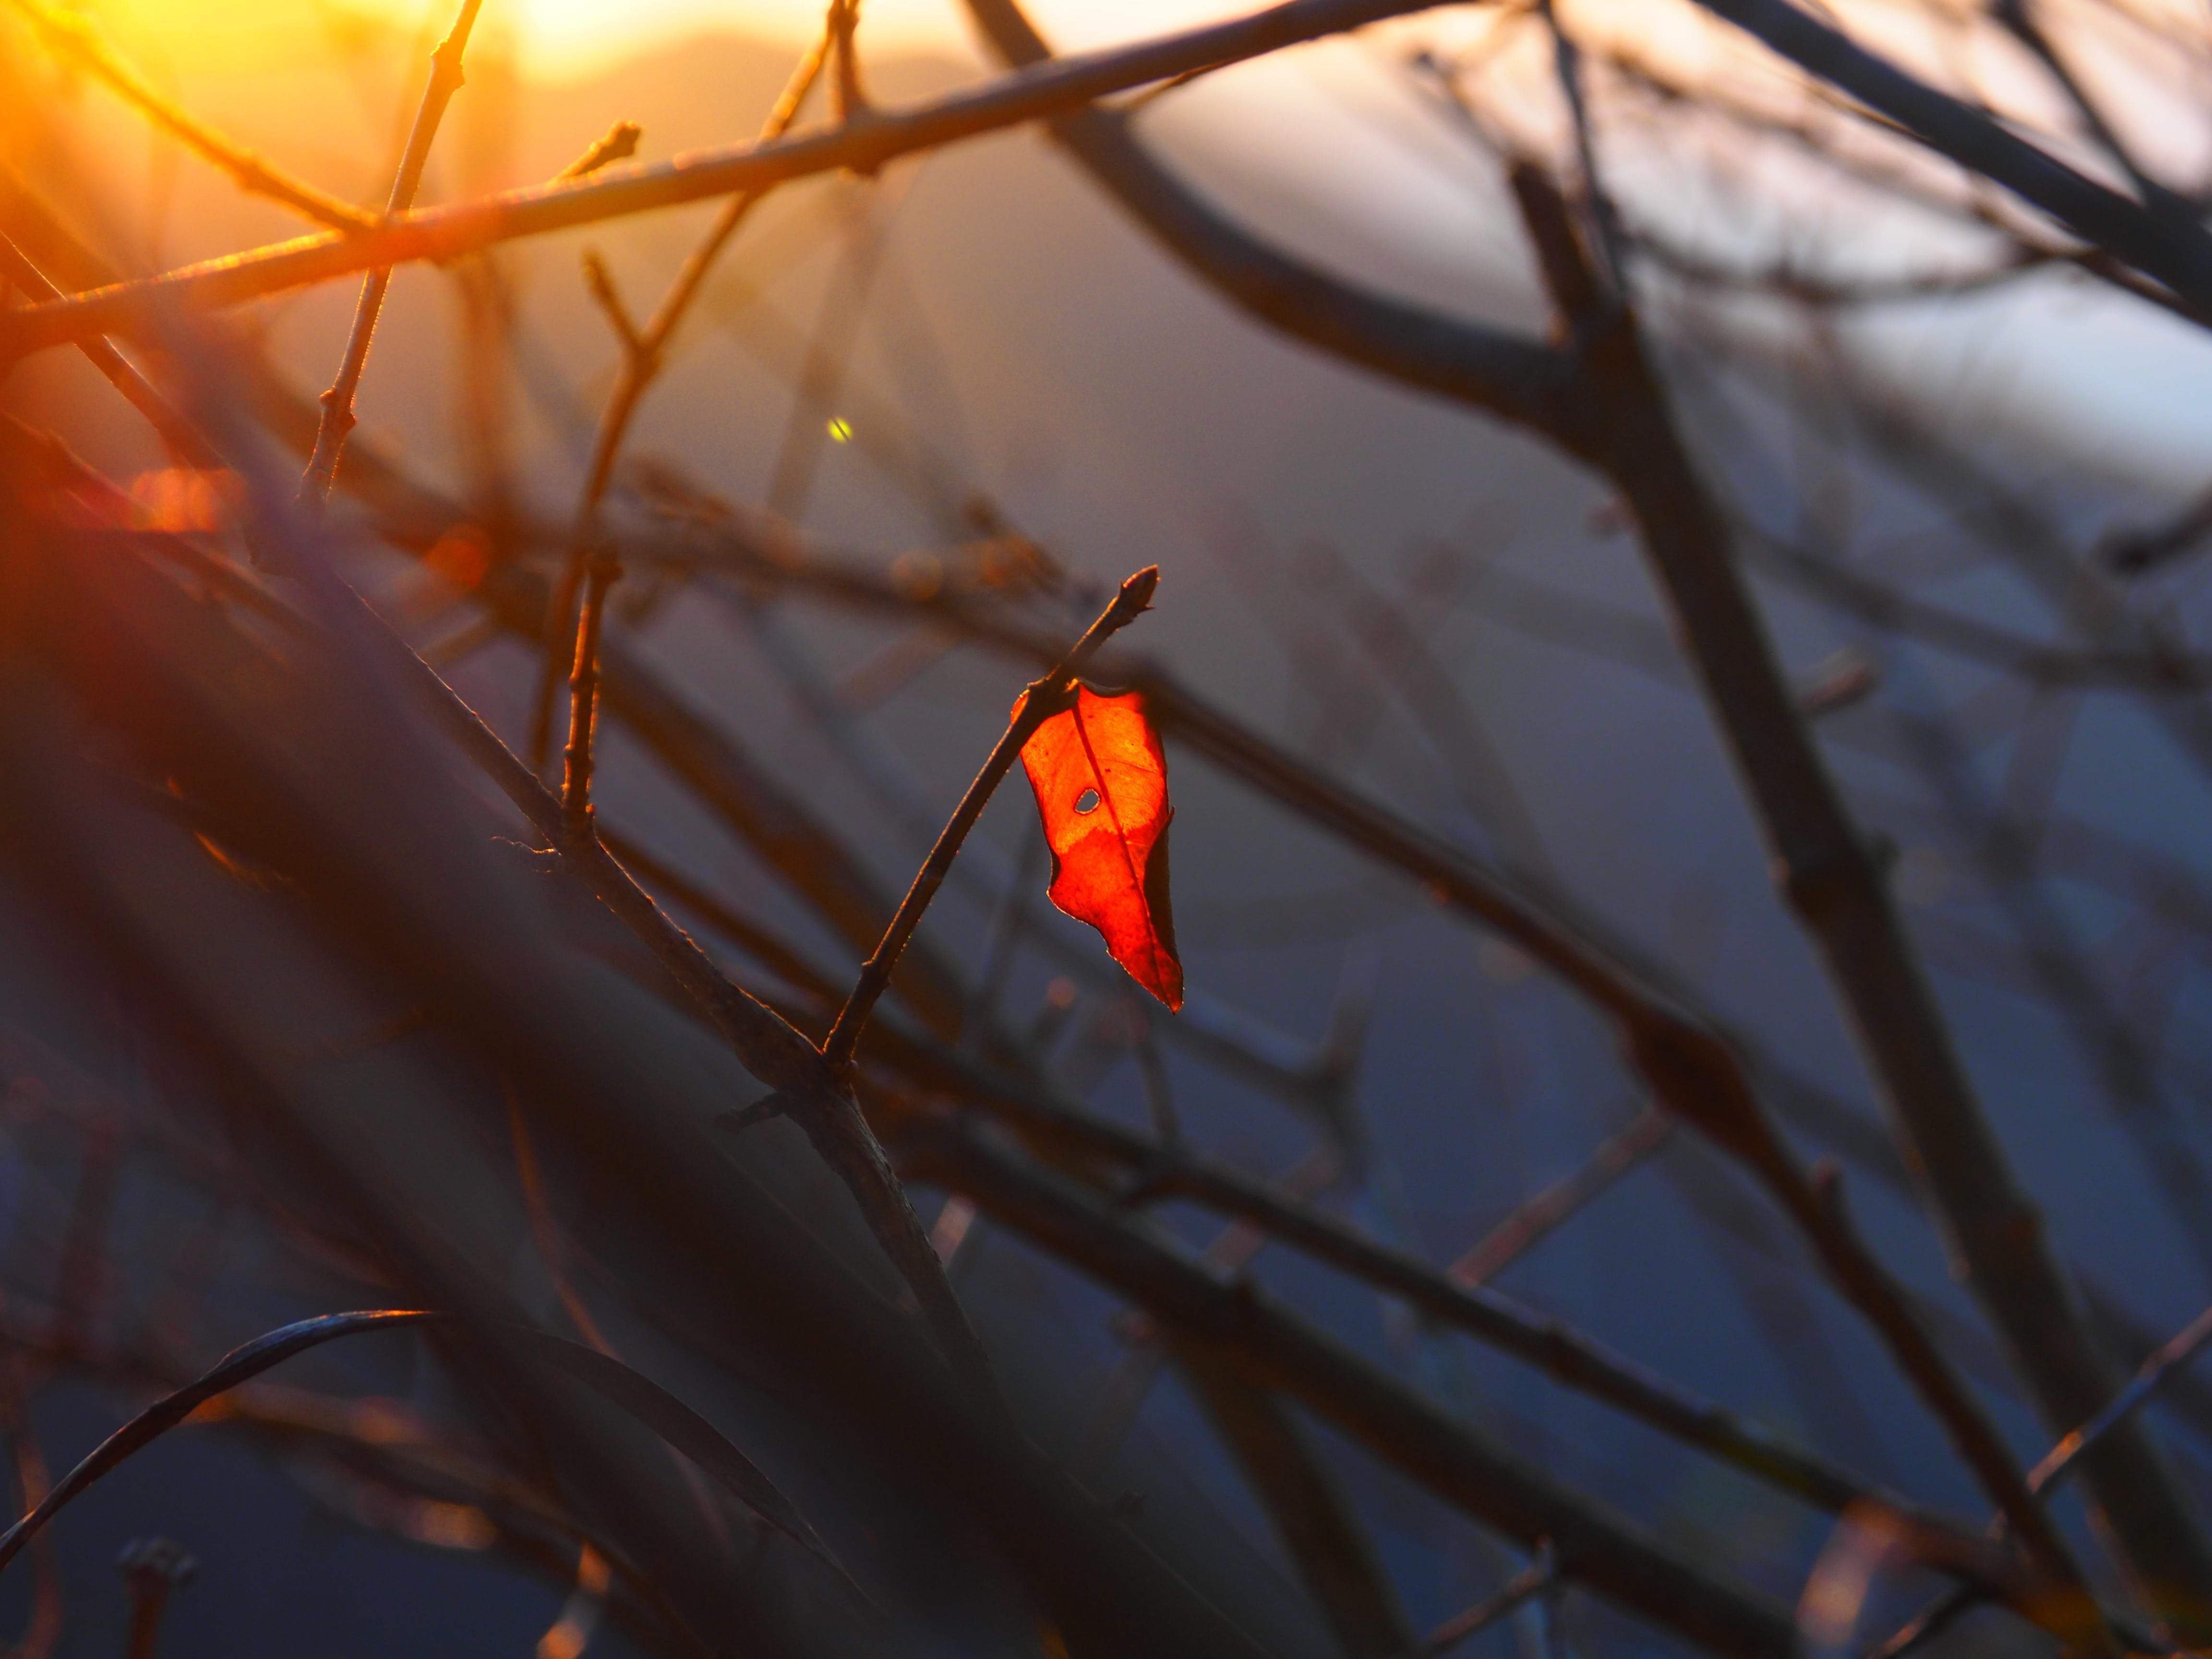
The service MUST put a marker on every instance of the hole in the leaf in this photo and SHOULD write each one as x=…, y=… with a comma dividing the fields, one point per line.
x=1087, y=801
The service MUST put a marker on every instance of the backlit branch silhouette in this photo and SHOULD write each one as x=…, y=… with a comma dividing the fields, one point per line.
x=434, y=1037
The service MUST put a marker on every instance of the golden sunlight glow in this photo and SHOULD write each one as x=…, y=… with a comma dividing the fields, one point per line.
x=567, y=39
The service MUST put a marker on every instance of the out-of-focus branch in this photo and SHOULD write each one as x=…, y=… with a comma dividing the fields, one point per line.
x=617, y=143
x=181, y=437
x=1833, y=883
x=1626, y=430
x=2017, y=17
x=1526, y=1586
x=1553, y=1208
x=818, y=1098
x=644, y=349
x=2030, y=250
x=1576, y=1360
x=1333, y=1557
x=1248, y=1330
x=2172, y=248
x=851, y=103
x=2156, y=1370
x=2121, y=666
x=76, y=37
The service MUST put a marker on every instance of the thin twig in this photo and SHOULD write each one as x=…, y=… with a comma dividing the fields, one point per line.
x=1603, y=223
x=851, y=100
x=2155, y=1371
x=1247, y=1327
x=1946, y=1609
x=152, y=1569
x=448, y=233
x=446, y=78
x=644, y=351
x=1532, y=1582
x=617, y=143
x=1044, y=698
x=1551, y=1209
x=32, y=1482
x=178, y=435
x=73, y=33
x=823, y=1104
x=583, y=696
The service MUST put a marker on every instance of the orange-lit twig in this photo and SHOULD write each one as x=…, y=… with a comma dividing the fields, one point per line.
x=1044, y=699
x=446, y=78
x=74, y=35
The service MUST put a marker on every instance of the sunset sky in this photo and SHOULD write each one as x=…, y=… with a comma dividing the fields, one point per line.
x=570, y=36
x=1326, y=123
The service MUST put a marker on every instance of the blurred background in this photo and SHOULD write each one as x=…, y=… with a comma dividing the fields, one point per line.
x=1960, y=470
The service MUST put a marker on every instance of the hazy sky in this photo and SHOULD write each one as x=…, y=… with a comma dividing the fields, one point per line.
x=563, y=35
x=1329, y=125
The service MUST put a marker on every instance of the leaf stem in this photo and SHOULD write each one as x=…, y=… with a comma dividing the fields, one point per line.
x=1044, y=698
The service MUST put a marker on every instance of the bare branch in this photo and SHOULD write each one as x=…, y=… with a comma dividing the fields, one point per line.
x=2172, y=248
x=1525, y=1587
x=1045, y=697
x=1553, y=1208
x=1318, y=1530
x=1828, y=877
x=1248, y=1330
x=583, y=698
x=442, y=233
x=446, y=77
x=643, y=352
x=75, y=36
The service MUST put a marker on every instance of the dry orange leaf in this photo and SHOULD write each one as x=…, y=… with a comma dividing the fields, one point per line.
x=1102, y=790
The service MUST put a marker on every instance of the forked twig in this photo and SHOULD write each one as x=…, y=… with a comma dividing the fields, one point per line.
x=449, y=233
x=643, y=354
x=1553, y=1208
x=768, y=1045
x=1939, y=1614
x=446, y=78
x=1044, y=698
